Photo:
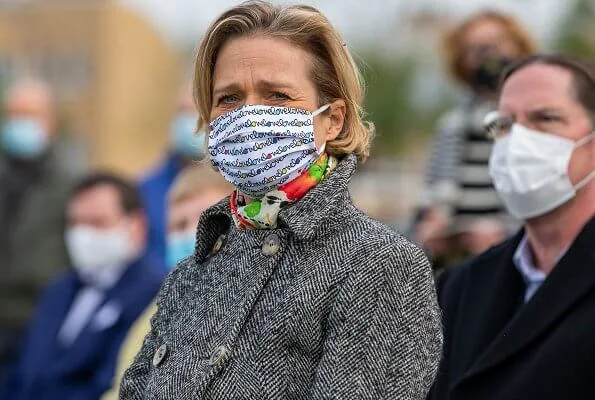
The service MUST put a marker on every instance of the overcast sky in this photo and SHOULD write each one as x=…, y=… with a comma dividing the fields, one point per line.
x=183, y=21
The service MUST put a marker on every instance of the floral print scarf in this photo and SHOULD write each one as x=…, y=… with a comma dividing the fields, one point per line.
x=262, y=213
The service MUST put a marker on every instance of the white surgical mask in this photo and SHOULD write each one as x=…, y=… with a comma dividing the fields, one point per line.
x=179, y=245
x=259, y=148
x=93, y=250
x=24, y=138
x=530, y=171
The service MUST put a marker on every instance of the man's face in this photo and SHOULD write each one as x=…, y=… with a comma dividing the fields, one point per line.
x=542, y=97
x=100, y=208
x=30, y=101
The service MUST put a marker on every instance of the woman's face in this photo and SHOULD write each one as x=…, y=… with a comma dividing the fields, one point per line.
x=487, y=37
x=273, y=72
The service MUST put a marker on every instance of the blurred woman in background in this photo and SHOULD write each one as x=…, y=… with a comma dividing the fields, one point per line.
x=462, y=213
x=291, y=292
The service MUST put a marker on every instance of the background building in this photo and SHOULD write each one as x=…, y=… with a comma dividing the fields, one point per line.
x=114, y=76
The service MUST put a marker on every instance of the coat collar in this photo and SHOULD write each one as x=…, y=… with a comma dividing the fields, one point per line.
x=301, y=218
x=327, y=198
x=569, y=281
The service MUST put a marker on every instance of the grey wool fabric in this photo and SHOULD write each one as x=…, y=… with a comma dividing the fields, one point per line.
x=330, y=305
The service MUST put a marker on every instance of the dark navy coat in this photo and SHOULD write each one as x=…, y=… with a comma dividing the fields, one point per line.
x=154, y=189
x=45, y=370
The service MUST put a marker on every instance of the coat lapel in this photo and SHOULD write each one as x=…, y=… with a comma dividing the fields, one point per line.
x=91, y=342
x=490, y=300
x=570, y=280
x=44, y=344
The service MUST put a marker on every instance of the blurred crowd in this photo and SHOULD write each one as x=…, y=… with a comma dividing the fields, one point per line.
x=83, y=253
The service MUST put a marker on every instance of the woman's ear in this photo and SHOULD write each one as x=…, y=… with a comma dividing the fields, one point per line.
x=336, y=114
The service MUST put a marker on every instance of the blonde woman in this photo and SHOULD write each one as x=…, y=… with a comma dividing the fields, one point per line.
x=292, y=292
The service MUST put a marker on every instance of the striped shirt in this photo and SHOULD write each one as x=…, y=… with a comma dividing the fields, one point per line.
x=458, y=174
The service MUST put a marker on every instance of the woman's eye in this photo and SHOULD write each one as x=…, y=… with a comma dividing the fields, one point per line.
x=279, y=96
x=229, y=99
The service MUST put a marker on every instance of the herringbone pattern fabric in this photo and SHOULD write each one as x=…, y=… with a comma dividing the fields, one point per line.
x=342, y=307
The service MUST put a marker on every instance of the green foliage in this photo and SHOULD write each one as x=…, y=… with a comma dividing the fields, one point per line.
x=389, y=104
x=577, y=34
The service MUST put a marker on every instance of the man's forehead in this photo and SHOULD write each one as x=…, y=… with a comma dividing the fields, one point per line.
x=537, y=85
x=100, y=196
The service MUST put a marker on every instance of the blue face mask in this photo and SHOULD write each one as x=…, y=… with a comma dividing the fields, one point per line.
x=185, y=142
x=179, y=245
x=24, y=138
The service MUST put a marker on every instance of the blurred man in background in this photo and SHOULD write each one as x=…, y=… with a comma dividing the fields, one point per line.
x=186, y=147
x=33, y=190
x=72, y=344
x=195, y=189
x=519, y=319
x=461, y=212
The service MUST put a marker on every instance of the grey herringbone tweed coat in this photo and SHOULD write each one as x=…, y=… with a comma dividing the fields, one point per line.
x=331, y=305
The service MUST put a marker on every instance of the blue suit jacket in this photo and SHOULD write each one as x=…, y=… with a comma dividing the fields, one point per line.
x=154, y=189
x=45, y=370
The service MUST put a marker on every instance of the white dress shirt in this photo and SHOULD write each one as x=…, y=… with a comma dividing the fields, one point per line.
x=525, y=264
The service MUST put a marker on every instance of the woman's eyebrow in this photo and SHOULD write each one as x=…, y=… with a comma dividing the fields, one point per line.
x=262, y=84
x=268, y=85
x=232, y=87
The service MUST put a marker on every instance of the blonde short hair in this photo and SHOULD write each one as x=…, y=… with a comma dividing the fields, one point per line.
x=334, y=71
x=194, y=180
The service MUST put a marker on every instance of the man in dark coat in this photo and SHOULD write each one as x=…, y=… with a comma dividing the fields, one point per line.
x=71, y=348
x=34, y=185
x=519, y=320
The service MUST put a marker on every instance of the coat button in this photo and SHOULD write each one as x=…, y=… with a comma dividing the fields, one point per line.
x=218, y=355
x=218, y=245
x=271, y=245
x=159, y=355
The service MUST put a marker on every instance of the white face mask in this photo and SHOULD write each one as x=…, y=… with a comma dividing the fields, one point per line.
x=259, y=148
x=530, y=171
x=93, y=250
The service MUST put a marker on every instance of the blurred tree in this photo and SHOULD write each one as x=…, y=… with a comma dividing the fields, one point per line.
x=389, y=104
x=577, y=35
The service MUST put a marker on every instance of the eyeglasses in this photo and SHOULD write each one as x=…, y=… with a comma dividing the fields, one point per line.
x=497, y=124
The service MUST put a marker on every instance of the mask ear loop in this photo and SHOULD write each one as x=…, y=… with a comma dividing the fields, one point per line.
x=584, y=140
x=315, y=113
x=583, y=182
x=320, y=110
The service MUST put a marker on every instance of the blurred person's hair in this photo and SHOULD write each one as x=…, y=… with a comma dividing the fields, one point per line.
x=454, y=50
x=195, y=180
x=130, y=198
x=582, y=71
x=334, y=71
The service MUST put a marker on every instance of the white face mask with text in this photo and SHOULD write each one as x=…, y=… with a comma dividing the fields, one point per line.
x=259, y=148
